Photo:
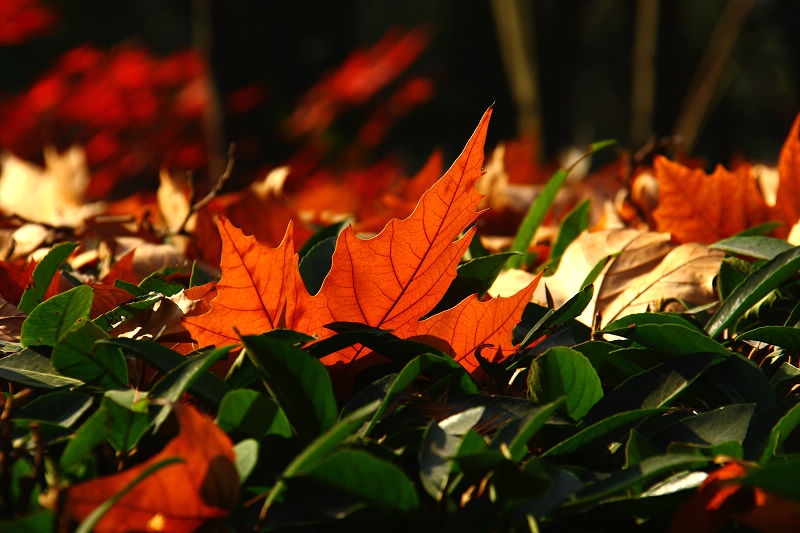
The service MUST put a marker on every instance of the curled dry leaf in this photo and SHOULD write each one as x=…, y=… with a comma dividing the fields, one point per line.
x=179, y=497
x=648, y=269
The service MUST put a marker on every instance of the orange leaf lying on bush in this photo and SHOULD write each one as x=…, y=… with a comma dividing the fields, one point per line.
x=177, y=497
x=697, y=207
x=390, y=281
x=722, y=499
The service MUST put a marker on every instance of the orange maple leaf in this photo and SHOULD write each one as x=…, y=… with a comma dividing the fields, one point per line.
x=697, y=207
x=389, y=281
x=787, y=201
x=178, y=497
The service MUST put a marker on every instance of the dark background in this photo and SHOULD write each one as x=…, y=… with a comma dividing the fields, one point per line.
x=584, y=55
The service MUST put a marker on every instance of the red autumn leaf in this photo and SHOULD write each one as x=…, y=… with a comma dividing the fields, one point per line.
x=697, y=207
x=389, y=281
x=722, y=499
x=179, y=497
x=787, y=201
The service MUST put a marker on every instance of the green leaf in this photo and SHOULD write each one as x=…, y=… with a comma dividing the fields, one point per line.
x=778, y=477
x=725, y=424
x=653, y=388
x=555, y=317
x=757, y=285
x=298, y=383
x=88, y=436
x=41, y=521
x=126, y=419
x=316, y=255
x=378, y=340
x=79, y=355
x=32, y=369
x=565, y=372
x=379, y=483
x=316, y=264
x=783, y=336
x=618, y=481
x=319, y=449
x=246, y=453
x=250, y=413
x=432, y=366
x=668, y=334
x=439, y=445
x=638, y=448
x=180, y=379
x=601, y=428
x=572, y=225
x=536, y=213
x=207, y=386
x=779, y=433
x=753, y=246
x=43, y=275
x=63, y=408
x=50, y=321
x=516, y=433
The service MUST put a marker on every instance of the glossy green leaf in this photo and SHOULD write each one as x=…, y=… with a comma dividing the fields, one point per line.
x=88, y=436
x=430, y=365
x=298, y=383
x=600, y=429
x=725, y=424
x=43, y=275
x=669, y=334
x=246, y=452
x=565, y=372
x=779, y=433
x=319, y=448
x=516, y=433
x=79, y=355
x=371, y=480
x=783, y=336
x=439, y=445
x=50, y=321
x=126, y=418
x=653, y=388
x=644, y=472
x=250, y=413
x=753, y=246
x=32, y=369
x=757, y=285
x=316, y=264
x=180, y=379
x=778, y=477
x=207, y=386
x=63, y=408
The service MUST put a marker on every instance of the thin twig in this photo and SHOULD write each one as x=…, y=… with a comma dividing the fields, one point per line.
x=215, y=190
